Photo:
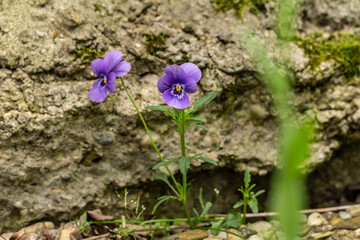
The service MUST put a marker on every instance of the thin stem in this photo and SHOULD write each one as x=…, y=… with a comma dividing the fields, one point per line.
x=183, y=154
x=151, y=139
x=244, y=211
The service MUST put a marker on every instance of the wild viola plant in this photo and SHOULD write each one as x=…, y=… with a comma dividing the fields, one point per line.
x=175, y=85
x=177, y=82
x=249, y=197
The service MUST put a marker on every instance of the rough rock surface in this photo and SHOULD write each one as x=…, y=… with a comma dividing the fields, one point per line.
x=60, y=153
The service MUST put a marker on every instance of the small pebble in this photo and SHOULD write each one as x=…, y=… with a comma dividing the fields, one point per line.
x=357, y=233
x=255, y=237
x=315, y=219
x=196, y=234
x=320, y=235
x=344, y=215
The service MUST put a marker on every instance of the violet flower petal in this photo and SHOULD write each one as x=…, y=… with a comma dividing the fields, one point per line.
x=175, y=71
x=166, y=82
x=121, y=68
x=191, y=71
x=111, y=59
x=174, y=101
x=110, y=85
x=190, y=86
x=97, y=93
x=99, y=67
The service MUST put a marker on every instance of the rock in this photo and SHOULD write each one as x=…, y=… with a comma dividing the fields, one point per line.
x=320, y=235
x=65, y=233
x=304, y=230
x=315, y=219
x=325, y=228
x=354, y=212
x=344, y=215
x=246, y=232
x=48, y=124
x=260, y=226
x=351, y=224
x=255, y=237
x=37, y=227
x=233, y=237
x=104, y=138
x=196, y=234
x=6, y=236
x=356, y=233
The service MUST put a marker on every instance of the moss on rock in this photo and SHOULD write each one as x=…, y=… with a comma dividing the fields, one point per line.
x=344, y=48
x=239, y=6
x=87, y=55
x=154, y=43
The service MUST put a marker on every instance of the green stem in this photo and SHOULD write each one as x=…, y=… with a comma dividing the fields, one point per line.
x=244, y=211
x=151, y=140
x=183, y=154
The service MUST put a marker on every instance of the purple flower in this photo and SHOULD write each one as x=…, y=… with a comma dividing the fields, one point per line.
x=107, y=70
x=177, y=83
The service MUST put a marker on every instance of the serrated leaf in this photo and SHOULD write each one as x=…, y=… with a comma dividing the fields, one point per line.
x=253, y=206
x=238, y=204
x=184, y=165
x=160, y=164
x=205, y=100
x=232, y=220
x=247, y=178
x=205, y=210
x=157, y=108
x=208, y=160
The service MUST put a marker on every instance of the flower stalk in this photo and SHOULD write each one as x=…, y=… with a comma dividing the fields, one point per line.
x=184, y=177
x=178, y=192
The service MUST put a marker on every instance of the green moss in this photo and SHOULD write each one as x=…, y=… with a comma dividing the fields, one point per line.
x=239, y=6
x=344, y=48
x=87, y=55
x=154, y=43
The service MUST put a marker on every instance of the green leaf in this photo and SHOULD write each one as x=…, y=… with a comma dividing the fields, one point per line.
x=184, y=164
x=247, y=178
x=163, y=177
x=200, y=198
x=232, y=220
x=199, y=126
x=205, y=100
x=253, y=206
x=208, y=160
x=205, y=210
x=161, y=200
x=160, y=164
x=217, y=226
x=157, y=108
x=251, y=187
x=196, y=212
x=238, y=204
x=196, y=118
x=259, y=193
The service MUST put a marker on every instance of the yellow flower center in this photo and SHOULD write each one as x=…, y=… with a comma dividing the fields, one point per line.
x=104, y=80
x=178, y=88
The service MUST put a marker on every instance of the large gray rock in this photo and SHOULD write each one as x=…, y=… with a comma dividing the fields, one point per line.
x=61, y=153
